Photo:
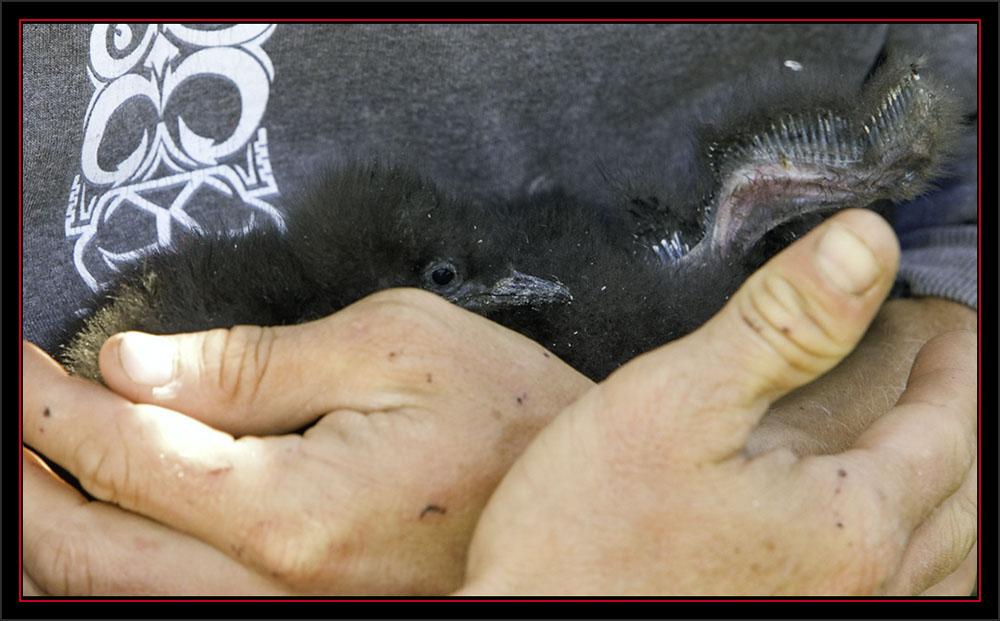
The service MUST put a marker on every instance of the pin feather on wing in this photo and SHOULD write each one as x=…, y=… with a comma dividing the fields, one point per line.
x=795, y=149
x=792, y=153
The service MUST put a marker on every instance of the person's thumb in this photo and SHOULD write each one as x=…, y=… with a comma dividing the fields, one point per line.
x=394, y=351
x=791, y=321
x=263, y=380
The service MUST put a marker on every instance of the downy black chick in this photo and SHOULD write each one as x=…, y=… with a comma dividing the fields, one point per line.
x=776, y=170
x=357, y=231
x=597, y=286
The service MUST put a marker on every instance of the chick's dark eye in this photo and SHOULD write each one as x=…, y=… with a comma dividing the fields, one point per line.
x=442, y=275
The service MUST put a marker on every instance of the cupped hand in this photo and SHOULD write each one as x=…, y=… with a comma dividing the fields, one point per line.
x=645, y=485
x=420, y=398
x=415, y=408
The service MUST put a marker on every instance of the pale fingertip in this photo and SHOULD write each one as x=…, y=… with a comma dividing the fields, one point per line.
x=846, y=260
x=147, y=360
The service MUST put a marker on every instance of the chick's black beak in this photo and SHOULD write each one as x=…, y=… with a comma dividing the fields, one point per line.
x=515, y=289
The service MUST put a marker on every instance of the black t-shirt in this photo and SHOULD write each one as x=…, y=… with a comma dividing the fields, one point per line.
x=133, y=134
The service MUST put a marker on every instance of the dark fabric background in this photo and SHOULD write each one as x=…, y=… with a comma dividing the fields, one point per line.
x=491, y=112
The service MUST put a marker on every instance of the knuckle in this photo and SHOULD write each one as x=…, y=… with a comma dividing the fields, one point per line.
x=955, y=434
x=947, y=449
x=412, y=316
x=395, y=337
x=963, y=519
x=237, y=361
x=861, y=537
x=863, y=565
x=796, y=328
x=105, y=463
x=966, y=500
x=874, y=542
x=303, y=552
x=100, y=468
x=63, y=563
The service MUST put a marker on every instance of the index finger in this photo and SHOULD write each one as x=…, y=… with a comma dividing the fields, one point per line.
x=920, y=453
x=74, y=547
x=163, y=464
x=85, y=428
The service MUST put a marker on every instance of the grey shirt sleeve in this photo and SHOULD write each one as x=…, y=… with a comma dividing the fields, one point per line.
x=942, y=262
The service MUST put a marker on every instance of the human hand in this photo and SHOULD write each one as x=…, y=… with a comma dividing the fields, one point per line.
x=827, y=415
x=413, y=430
x=643, y=486
x=156, y=575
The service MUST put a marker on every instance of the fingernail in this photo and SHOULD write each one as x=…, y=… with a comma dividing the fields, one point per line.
x=846, y=261
x=147, y=359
